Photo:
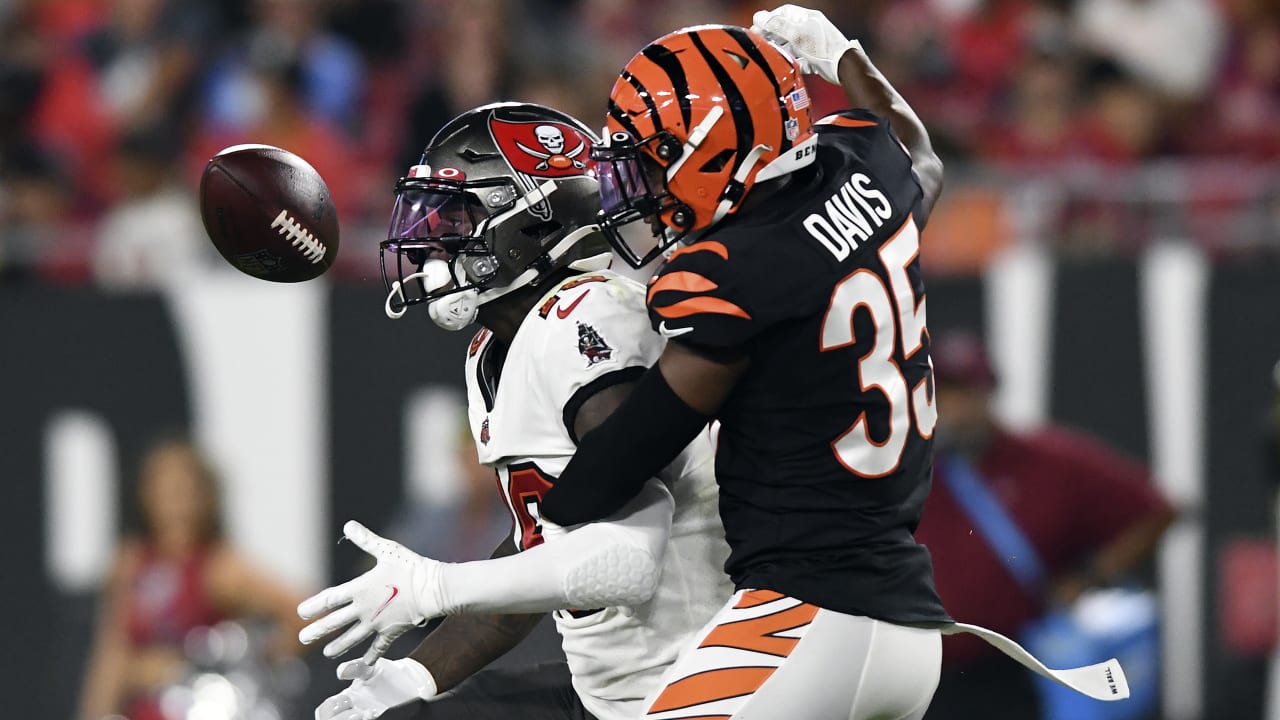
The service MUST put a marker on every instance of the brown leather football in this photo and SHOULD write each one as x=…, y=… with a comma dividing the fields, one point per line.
x=269, y=213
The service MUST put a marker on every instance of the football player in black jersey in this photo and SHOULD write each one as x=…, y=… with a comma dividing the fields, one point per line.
x=795, y=315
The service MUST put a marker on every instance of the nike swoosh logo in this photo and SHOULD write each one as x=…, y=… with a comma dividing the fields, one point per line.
x=563, y=312
x=667, y=332
x=395, y=590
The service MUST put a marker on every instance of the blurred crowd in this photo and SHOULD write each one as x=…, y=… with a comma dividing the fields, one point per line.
x=110, y=108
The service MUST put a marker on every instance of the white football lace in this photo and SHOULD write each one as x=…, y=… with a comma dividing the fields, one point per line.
x=301, y=238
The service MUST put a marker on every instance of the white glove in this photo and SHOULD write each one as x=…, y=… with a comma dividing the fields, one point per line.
x=376, y=689
x=807, y=34
x=403, y=590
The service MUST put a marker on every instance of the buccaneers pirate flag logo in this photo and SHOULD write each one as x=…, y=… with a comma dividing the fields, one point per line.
x=592, y=346
x=542, y=149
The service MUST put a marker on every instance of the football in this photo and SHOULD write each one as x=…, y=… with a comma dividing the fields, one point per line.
x=269, y=213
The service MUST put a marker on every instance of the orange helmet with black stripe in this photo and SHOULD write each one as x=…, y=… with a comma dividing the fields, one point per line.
x=696, y=119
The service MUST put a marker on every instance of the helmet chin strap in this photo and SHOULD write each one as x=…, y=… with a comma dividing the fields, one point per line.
x=452, y=312
x=748, y=164
x=787, y=162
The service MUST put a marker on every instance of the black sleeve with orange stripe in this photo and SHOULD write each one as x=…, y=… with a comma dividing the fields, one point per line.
x=701, y=298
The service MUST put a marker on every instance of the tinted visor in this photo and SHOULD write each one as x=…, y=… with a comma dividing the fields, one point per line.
x=426, y=213
x=622, y=182
x=434, y=222
x=633, y=192
x=629, y=180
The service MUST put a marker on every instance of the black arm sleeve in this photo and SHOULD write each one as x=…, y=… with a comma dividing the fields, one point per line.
x=613, y=461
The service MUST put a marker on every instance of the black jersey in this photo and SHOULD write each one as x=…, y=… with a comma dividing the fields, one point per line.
x=825, y=450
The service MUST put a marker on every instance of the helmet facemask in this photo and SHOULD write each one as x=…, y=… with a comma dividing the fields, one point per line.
x=441, y=221
x=501, y=200
x=633, y=186
x=634, y=197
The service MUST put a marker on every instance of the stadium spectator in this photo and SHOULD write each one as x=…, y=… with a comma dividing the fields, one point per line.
x=23, y=57
x=331, y=71
x=1125, y=118
x=146, y=56
x=176, y=574
x=1042, y=125
x=455, y=86
x=1091, y=515
x=1174, y=46
x=40, y=233
x=1247, y=107
x=1010, y=81
x=152, y=235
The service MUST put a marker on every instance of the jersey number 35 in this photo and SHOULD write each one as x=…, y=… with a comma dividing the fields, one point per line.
x=898, y=316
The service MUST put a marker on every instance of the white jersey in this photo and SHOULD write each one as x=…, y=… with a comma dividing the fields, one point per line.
x=587, y=333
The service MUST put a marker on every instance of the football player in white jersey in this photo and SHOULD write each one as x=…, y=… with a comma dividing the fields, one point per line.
x=530, y=433
x=495, y=225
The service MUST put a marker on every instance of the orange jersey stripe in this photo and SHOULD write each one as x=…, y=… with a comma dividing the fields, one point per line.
x=842, y=121
x=681, y=280
x=710, y=686
x=701, y=304
x=760, y=634
x=706, y=245
x=757, y=597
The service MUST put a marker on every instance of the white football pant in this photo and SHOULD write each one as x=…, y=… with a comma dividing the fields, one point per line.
x=766, y=656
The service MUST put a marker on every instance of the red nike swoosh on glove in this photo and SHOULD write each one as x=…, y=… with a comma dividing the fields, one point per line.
x=394, y=592
x=563, y=312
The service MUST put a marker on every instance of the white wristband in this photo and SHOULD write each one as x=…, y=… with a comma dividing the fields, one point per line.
x=423, y=681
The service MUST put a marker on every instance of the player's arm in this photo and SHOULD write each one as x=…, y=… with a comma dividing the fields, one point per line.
x=613, y=563
x=822, y=49
x=463, y=644
x=672, y=403
x=714, y=322
x=1119, y=556
x=599, y=565
x=457, y=649
x=866, y=87
x=1123, y=516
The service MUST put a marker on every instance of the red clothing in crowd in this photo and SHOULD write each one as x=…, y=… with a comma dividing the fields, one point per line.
x=167, y=600
x=1069, y=494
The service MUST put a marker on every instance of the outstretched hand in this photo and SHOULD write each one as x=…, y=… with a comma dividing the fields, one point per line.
x=376, y=688
x=402, y=590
